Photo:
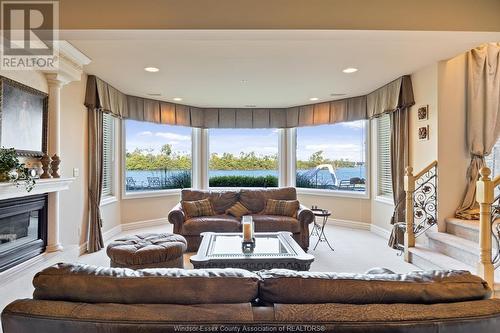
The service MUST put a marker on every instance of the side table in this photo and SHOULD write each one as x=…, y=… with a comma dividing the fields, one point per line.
x=319, y=228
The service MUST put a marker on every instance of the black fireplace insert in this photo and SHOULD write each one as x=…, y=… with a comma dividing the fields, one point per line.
x=23, y=229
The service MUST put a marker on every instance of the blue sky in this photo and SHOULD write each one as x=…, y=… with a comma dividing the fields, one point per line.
x=344, y=140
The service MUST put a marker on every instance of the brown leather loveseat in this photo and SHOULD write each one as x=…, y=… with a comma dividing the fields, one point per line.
x=79, y=299
x=254, y=200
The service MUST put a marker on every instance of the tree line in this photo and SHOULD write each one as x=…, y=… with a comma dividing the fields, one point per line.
x=146, y=159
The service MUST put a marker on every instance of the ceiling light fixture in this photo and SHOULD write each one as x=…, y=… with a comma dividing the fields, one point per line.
x=337, y=94
x=177, y=99
x=250, y=106
x=313, y=99
x=154, y=94
x=151, y=69
x=350, y=70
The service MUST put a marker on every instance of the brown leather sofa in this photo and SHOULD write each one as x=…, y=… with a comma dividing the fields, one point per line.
x=254, y=200
x=79, y=298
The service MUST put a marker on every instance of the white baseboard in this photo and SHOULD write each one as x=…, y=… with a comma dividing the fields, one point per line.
x=349, y=224
x=144, y=224
x=106, y=236
x=382, y=232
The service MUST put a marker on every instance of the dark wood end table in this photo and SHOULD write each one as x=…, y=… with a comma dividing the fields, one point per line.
x=319, y=228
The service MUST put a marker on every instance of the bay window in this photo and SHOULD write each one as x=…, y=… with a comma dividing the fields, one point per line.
x=157, y=157
x=332, y=157
x=243, y=157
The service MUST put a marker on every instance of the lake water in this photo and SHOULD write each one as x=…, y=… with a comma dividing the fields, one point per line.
x=323, y=176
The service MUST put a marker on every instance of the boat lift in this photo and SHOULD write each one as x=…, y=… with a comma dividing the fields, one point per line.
x=314, y=173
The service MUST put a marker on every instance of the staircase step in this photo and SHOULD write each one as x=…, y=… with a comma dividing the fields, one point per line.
x=428, y=259
x=467, y=229
x=461, y=249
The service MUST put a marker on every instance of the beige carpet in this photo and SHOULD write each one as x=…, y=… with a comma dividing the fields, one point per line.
x=355, y=251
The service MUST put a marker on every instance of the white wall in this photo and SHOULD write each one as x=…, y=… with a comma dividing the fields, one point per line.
x=425, y=90
x=344, y=209
x=30, y=78
x=453, y=155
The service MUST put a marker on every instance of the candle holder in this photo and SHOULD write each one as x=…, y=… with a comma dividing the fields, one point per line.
x=248, y=246
x=248, y=242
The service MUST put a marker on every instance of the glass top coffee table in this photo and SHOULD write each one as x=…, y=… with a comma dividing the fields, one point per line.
x=272, y=250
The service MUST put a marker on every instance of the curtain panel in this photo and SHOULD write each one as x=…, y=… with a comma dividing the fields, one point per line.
x=95, y=139
x=483, y=117
x=395, y=95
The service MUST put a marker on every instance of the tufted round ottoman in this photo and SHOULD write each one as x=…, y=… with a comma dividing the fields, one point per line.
x=148, y=251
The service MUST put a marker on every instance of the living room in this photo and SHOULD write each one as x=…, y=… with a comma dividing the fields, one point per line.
x=252, y=138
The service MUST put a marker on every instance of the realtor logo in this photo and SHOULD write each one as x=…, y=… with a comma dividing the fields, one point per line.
x=29, y=35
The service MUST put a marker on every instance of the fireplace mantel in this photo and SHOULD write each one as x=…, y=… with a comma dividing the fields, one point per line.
x=9, y=190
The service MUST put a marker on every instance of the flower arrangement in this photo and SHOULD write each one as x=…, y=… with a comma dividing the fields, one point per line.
x=14, y=171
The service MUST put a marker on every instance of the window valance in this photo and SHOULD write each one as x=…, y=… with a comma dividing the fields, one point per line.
x=102, y=96
x=395, y=95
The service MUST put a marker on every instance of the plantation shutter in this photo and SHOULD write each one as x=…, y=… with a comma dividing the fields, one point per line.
x=384, y=156
x=108, y=134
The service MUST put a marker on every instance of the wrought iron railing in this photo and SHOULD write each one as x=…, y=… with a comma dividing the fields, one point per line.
x=425, y=201
x=420, y=203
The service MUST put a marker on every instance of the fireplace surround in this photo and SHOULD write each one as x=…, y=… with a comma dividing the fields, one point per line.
x=23, y=229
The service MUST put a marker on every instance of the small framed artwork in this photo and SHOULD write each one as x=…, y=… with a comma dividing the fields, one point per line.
x=23, y=118
x=423, y=113
x=423, y=133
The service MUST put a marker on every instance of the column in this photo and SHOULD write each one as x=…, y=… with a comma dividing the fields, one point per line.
x=54, y=84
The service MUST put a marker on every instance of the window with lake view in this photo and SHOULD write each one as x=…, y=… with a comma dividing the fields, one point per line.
x=158, y=157
x=243, y=157
x=332, y=157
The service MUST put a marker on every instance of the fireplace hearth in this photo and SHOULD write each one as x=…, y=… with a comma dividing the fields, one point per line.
x=23, y=229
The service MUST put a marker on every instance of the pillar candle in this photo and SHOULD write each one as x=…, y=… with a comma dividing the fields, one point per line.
x=247, y=232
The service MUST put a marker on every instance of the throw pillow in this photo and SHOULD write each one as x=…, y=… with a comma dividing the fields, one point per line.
x=238, y=210
x=281, y=207
x=197, y=208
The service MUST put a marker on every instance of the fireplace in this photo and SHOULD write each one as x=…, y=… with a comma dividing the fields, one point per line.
x=23, y=229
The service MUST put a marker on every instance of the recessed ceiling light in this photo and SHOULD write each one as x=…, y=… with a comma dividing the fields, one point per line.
x=154, y=94
x=337, y=94
x=151, y=69
x=177, y=99
x=350, y=70
x=313, y=99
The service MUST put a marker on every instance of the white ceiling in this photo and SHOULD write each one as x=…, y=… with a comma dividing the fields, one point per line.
x=279, y=68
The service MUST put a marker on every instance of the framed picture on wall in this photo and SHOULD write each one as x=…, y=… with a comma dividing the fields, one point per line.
x=423, y=133
x=423, y=112
x=23, y=118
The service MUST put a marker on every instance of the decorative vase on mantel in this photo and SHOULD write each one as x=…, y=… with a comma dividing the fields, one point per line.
x=45, y=160
x=54, y=166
